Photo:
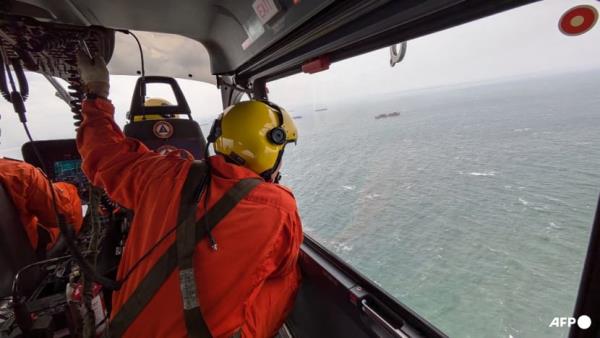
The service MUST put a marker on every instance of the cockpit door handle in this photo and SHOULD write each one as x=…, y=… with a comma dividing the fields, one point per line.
x=377, y=318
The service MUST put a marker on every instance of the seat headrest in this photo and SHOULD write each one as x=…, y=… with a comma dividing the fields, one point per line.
x=169, y=134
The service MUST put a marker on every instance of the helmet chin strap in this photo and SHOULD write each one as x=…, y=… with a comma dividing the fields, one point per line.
x=207, y=151
x=268, y=175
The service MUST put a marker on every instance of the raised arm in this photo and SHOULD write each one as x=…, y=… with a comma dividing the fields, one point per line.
x=30, y=192
x=120, y=165
x=68, y=204
x=39, y=202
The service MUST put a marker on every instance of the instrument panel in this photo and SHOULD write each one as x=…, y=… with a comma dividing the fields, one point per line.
x=60, y=161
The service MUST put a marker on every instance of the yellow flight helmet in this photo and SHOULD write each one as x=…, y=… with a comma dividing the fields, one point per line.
x=254, y=134
x=153, y=102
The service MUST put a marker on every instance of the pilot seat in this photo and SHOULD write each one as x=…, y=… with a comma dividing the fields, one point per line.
x=159, y=126
x=15, y=249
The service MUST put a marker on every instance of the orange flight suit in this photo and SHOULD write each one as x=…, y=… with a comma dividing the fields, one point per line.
x=30, y=193
x=249, y=283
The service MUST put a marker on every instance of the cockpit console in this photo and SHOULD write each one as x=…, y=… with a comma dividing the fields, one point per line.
x=60, y=161
x=46, y=297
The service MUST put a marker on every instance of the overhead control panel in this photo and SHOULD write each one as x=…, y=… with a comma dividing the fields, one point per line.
x=51, y=48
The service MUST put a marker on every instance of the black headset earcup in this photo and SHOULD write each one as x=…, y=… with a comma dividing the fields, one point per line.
x=277, y=136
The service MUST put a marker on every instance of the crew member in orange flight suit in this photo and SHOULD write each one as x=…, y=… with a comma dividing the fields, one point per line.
x=30, y=193
x=247, y=285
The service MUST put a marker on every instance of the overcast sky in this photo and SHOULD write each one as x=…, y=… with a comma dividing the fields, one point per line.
x=521, y=42
x=516, y=43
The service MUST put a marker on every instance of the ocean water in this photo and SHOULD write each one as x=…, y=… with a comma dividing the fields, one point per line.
x=473, y=207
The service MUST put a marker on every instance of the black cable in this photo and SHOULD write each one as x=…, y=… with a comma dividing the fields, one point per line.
x=146, y=254
x=3, y=87
x=205, y=182
x=20, y=74
x=107, y=203
x=141, y=52
x=10, y=78
x=143, y=86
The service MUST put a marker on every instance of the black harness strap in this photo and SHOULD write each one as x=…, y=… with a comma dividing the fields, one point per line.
x=189, y=234
x=43, y=241
x=185, y=244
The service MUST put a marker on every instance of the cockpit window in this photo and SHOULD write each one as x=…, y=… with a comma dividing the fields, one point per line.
x=50, y=118
x=464, y=179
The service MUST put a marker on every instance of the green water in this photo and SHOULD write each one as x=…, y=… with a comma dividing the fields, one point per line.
x=473, y=207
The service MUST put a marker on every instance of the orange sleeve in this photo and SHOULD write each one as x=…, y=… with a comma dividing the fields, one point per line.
x=269, y=305
x=39, y=201
x=288, y=246
x=69, y=204
x=122, y=166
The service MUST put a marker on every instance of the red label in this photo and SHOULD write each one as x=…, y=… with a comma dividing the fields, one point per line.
x=265, y=10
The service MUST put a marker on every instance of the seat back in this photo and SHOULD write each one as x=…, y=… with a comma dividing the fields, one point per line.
x=169, y=133
x=15, y=249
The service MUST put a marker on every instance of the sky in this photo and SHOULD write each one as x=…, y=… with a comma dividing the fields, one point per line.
x=518, y=43
x=522, y=42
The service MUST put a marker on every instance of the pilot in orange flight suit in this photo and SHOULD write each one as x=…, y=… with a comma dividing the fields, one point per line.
x=30, y=192
x=247, y=286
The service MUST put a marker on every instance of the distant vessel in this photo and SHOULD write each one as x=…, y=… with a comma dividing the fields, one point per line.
x=297, y=117
x=382, y=116
x=321, y=109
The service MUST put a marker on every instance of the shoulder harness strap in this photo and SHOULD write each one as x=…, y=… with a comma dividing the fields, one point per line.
x=185, y=243
x=189, y=234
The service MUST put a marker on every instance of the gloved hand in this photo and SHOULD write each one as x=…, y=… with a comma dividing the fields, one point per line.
x=94, y=75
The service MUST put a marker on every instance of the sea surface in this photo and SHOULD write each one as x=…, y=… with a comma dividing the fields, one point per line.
x=473, y=206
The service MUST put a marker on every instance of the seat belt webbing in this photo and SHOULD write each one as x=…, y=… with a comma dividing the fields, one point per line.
x=185, y=242
x=166, y=264
x=186, y=245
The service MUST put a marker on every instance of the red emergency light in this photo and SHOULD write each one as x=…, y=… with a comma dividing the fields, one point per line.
x=317, y=65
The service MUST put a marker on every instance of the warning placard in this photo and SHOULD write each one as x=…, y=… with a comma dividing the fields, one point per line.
x=163, y=129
